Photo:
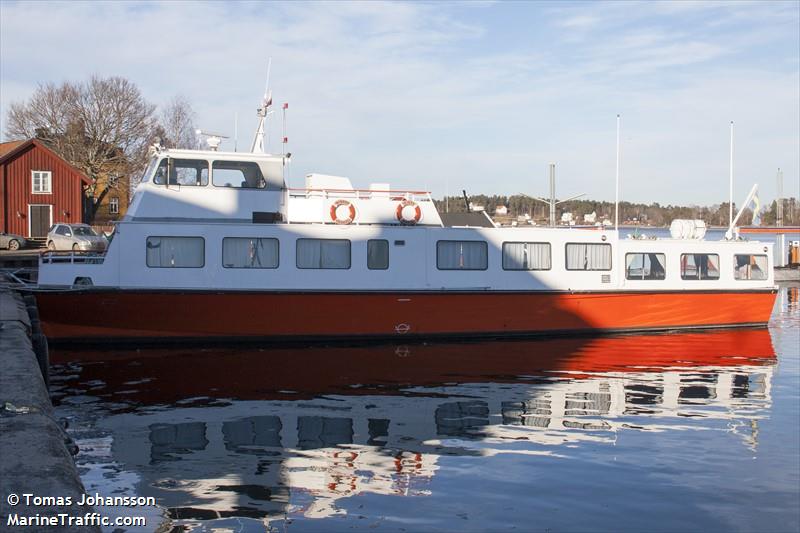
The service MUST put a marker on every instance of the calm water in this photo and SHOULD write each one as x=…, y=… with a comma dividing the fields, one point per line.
x=671, y=432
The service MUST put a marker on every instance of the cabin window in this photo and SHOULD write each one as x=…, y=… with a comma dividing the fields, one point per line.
x=184, y=172
x=645, y=266
x=462, y=255
x=526, y=256
x=175, y=252
x=750, y=267
x=237, y=174
x=699, y=266
x=249, y=252
x=323, y=253
x=41, y=182
x=113, y=205
x=588, y=256
x=377, y=254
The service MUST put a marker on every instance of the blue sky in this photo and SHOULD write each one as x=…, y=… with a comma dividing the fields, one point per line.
x=449, y=95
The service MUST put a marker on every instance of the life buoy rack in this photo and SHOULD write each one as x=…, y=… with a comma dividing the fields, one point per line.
x=402, y=213
x=351, y=212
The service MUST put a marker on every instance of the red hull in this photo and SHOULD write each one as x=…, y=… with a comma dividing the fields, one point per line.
x=123, y=314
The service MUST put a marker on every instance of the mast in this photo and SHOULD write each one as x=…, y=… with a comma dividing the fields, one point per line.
x=263, y=111
x=730, y=195
x=616, y=181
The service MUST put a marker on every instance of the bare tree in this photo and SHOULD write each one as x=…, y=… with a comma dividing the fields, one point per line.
x=103, y=127
x=177, y=124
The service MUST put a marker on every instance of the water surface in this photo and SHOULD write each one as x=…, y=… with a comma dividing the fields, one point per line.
x=668, y=432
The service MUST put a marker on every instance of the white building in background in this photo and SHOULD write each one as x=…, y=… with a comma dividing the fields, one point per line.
x=501, y=210
x=476, y=208
x=590, y=218
x=567, y=218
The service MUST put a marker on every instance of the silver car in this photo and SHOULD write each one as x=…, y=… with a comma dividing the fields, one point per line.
x=75, y=237
x=12, y=242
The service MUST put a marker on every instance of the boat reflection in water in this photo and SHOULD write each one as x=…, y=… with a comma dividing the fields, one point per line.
x=276, y=433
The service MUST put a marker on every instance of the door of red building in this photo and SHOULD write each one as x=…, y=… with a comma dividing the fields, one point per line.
x=41, y=218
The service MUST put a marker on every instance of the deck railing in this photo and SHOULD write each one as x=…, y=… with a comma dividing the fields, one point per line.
x=72, y=258
x=362, y=194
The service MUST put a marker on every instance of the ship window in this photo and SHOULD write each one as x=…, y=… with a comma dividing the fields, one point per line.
x=645, y=266
x=461, y=255
x=588, y=256
x=377, y=254
x=699, y=266
x=237, y=174
x=750, y=267
x=323, y=253
x=176, y=252
x=249, y=252
x=526, y=256
x=184, y=172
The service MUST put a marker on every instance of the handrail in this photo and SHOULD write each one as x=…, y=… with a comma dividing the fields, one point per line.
x=357, y=190
x=53, y=257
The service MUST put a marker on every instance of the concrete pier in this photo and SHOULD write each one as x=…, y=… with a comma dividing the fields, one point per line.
x=34, y=454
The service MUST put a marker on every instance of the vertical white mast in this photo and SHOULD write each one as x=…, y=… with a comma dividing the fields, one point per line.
x=616, y=193
x=730, y=194
x=263, y=111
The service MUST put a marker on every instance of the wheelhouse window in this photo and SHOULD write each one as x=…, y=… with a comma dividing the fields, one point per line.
x=645, y=266
x=323, y=253
x=237, y=174
x=113, y=206
x=588, y=256
x=526, y=256
x=462, y=255
x=184, y=172
x=249, y=252
x=175, y=252
x=41, y=182
x=377, y=254
x=750, y=267
x=700, y=266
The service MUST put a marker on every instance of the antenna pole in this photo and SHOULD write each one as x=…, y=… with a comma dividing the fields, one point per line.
x=235, y=131
x=616, y=182
x=779, y=206
x=730, y=192
x=552, y=195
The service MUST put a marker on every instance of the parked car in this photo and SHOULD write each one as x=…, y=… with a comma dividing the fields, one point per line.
x=75, y=237
x=12, y=242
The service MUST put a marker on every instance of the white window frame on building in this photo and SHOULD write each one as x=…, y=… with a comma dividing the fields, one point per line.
x=113, y=205
x=38, y=180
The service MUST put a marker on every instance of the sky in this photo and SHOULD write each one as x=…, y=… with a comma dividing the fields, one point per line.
x=448, y=96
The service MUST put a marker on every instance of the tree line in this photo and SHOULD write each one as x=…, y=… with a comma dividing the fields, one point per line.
x=653, y=214
x=104, y=127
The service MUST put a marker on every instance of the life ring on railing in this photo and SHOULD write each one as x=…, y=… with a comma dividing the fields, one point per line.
x=404, y=215
x=336, y=212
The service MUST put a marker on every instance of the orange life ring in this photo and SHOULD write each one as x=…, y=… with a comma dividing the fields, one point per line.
x=401, y=212
x=351, y=212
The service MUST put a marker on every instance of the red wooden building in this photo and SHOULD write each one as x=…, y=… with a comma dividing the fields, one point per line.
x=38, y=189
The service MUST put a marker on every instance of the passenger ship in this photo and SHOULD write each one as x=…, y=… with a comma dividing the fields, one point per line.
x=215, y=245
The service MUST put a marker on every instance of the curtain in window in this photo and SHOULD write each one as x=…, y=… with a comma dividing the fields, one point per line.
x=249, y=253
x=323, y=253
x=334, y=254
x=588, y=256
x=461, y=255
x=175, y=252
x=514, y=256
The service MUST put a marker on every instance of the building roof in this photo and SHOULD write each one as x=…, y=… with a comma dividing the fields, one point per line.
x=472, y=219
x=9, y=146
x=11, y=149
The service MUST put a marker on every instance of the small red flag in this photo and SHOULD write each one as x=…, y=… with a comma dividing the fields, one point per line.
x=286, y=105
x=286, y=140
